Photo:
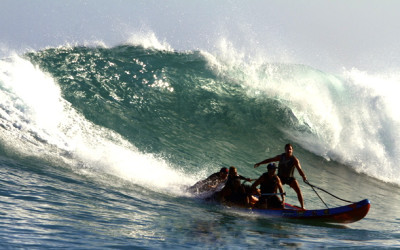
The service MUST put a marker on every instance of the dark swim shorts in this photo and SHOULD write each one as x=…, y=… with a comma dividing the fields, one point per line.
x=287, y=180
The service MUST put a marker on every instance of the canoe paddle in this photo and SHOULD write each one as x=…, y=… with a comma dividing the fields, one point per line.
x=268, y=194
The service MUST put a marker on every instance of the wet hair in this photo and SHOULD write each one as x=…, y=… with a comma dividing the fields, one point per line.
x=272, y=166
x=288, y=145
x=224, y=170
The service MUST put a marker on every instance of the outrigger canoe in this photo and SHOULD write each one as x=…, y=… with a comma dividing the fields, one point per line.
x=344, y=214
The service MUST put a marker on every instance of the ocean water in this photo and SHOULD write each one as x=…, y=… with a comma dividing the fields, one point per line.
x=97, y=145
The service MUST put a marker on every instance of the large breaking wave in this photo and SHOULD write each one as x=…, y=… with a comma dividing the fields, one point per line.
x=144, y=108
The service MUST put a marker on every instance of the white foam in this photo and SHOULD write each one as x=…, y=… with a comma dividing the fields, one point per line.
x=354, y=120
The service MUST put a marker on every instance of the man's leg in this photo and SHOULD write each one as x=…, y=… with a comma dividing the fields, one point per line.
x=295, y=186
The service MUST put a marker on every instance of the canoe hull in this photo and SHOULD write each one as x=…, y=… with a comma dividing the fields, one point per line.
x=344, y=214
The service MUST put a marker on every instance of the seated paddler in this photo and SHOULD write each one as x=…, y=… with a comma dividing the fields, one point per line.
x=211, y=182
x=234, y=192
x=269, y=184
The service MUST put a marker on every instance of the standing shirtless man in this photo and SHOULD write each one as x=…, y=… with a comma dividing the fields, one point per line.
x=287, y=163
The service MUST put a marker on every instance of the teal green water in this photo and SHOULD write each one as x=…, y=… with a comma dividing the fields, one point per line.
x=97, y=145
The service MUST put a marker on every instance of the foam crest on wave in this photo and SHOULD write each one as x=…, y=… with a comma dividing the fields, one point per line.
x=148, y=40
x=35, y=121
